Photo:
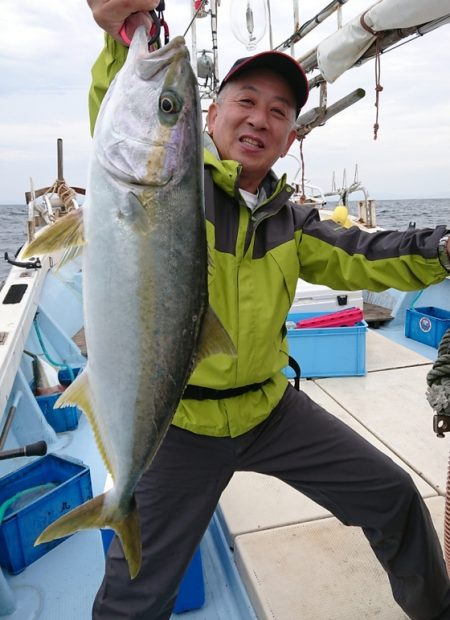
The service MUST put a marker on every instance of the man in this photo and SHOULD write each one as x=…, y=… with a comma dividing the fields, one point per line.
x=241, y=414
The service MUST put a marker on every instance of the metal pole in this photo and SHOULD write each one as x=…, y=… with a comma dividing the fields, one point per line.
x=269, y=15
x=214, y=44
x=9, y=419
x=316, y=116
x=60, y=159
x=296, y=23
x=194, y=39
x=312, y=23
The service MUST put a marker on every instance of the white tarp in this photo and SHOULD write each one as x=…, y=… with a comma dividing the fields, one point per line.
x=342, y=49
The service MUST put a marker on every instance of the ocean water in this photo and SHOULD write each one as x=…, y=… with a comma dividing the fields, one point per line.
x=394, y=214
x=13, y=230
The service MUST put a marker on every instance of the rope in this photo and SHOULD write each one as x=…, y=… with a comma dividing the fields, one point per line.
x=302, y=159
x=438, y=378
x=46, y=354
x=416, y=298
x=447, y=521
x=67, y=194
x=438, y=395
x=378, y=87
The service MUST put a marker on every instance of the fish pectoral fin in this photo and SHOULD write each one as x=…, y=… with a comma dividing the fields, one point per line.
x=79, y=394
x=66, y=233
x=92, y=514
x=214, y=338
x=134, y=214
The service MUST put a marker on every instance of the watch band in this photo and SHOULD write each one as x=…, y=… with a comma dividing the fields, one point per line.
x=444, y=256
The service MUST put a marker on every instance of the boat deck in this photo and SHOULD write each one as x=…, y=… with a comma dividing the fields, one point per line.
x=296, y=560
x=271, y=553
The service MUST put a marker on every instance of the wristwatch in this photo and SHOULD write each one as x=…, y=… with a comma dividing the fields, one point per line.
x=444, y=256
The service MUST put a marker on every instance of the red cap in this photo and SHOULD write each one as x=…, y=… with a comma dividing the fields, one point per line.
x=279, y=63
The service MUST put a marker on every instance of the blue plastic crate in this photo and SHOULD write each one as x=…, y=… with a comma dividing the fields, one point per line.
x=65, y=377
x=327, y=351
x=191, y=594
x=427, y=324
x=70, y=483
x=61, y=419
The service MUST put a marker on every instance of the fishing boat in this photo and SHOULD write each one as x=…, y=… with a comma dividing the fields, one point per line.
x=269, y=552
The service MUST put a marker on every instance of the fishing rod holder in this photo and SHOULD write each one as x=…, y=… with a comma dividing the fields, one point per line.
x=35, y=263
x=39, y=448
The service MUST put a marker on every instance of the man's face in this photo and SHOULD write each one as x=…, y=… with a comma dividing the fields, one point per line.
x=253, y=123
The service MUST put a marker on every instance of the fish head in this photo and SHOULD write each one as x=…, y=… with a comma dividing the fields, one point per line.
x=151, y=116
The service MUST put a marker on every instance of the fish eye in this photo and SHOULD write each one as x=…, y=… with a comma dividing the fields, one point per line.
x=169, y=103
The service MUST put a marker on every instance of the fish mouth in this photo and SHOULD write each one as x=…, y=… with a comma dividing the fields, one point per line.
x=151, y=63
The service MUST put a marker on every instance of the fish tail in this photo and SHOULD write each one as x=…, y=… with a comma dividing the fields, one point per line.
x=91, y=515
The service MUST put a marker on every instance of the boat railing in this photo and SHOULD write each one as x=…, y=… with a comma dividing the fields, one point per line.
x=366, y=213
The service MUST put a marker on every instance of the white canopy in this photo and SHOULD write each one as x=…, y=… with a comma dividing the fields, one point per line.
x=342, y=49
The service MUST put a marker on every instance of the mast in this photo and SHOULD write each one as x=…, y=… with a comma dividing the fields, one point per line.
x=194, y=38
x=214, y=45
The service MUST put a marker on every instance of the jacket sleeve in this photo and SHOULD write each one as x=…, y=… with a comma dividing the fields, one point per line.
x=352, y=258
x=111, y=59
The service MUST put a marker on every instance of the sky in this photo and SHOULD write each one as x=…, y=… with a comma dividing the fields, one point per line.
x=48, y=48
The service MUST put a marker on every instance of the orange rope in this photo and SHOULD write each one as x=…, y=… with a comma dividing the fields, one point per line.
x=66, y=193
x=378, y=87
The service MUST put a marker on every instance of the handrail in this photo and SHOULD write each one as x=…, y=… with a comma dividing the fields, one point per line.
x=9, y=419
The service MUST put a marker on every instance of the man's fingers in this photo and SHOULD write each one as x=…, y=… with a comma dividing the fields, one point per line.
x=134, y=21
x=111, y=14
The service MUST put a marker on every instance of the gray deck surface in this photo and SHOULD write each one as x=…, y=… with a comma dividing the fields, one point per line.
x=296, y=560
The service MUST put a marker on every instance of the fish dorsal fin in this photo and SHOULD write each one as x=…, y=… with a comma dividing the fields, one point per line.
x=214, y=338
x=66, y=233
x=79, y=394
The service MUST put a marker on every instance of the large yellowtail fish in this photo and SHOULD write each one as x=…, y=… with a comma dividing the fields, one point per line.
x=147, y=319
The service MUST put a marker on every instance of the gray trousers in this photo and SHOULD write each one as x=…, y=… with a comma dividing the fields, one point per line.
x=309, y=449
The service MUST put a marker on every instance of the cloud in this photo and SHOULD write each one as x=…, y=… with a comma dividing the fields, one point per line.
x=48, y=48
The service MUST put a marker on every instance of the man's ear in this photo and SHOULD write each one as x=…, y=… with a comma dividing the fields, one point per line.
x=211, y=117
x=290, y=139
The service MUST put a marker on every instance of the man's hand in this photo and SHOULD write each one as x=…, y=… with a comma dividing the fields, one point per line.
x=112, y=14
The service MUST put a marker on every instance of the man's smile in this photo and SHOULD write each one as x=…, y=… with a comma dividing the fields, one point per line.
x=252, y=141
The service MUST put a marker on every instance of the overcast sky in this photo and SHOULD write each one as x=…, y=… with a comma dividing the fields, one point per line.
x=48, y=48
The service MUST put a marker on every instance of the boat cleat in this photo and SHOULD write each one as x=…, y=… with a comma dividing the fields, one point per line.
x=441, y=424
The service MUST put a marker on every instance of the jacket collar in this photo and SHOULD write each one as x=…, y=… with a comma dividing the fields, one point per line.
x=225, y=173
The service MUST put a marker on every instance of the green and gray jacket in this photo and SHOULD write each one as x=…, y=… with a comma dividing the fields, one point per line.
x=256, y=260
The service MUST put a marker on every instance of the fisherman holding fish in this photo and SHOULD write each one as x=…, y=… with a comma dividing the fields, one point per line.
x=238, y=412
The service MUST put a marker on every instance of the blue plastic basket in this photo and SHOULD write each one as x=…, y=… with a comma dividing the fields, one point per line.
x=65, y=376
x=327, y=351
x=61, y=419
x=191, y=594
x=427, y=324
x=71, y=486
